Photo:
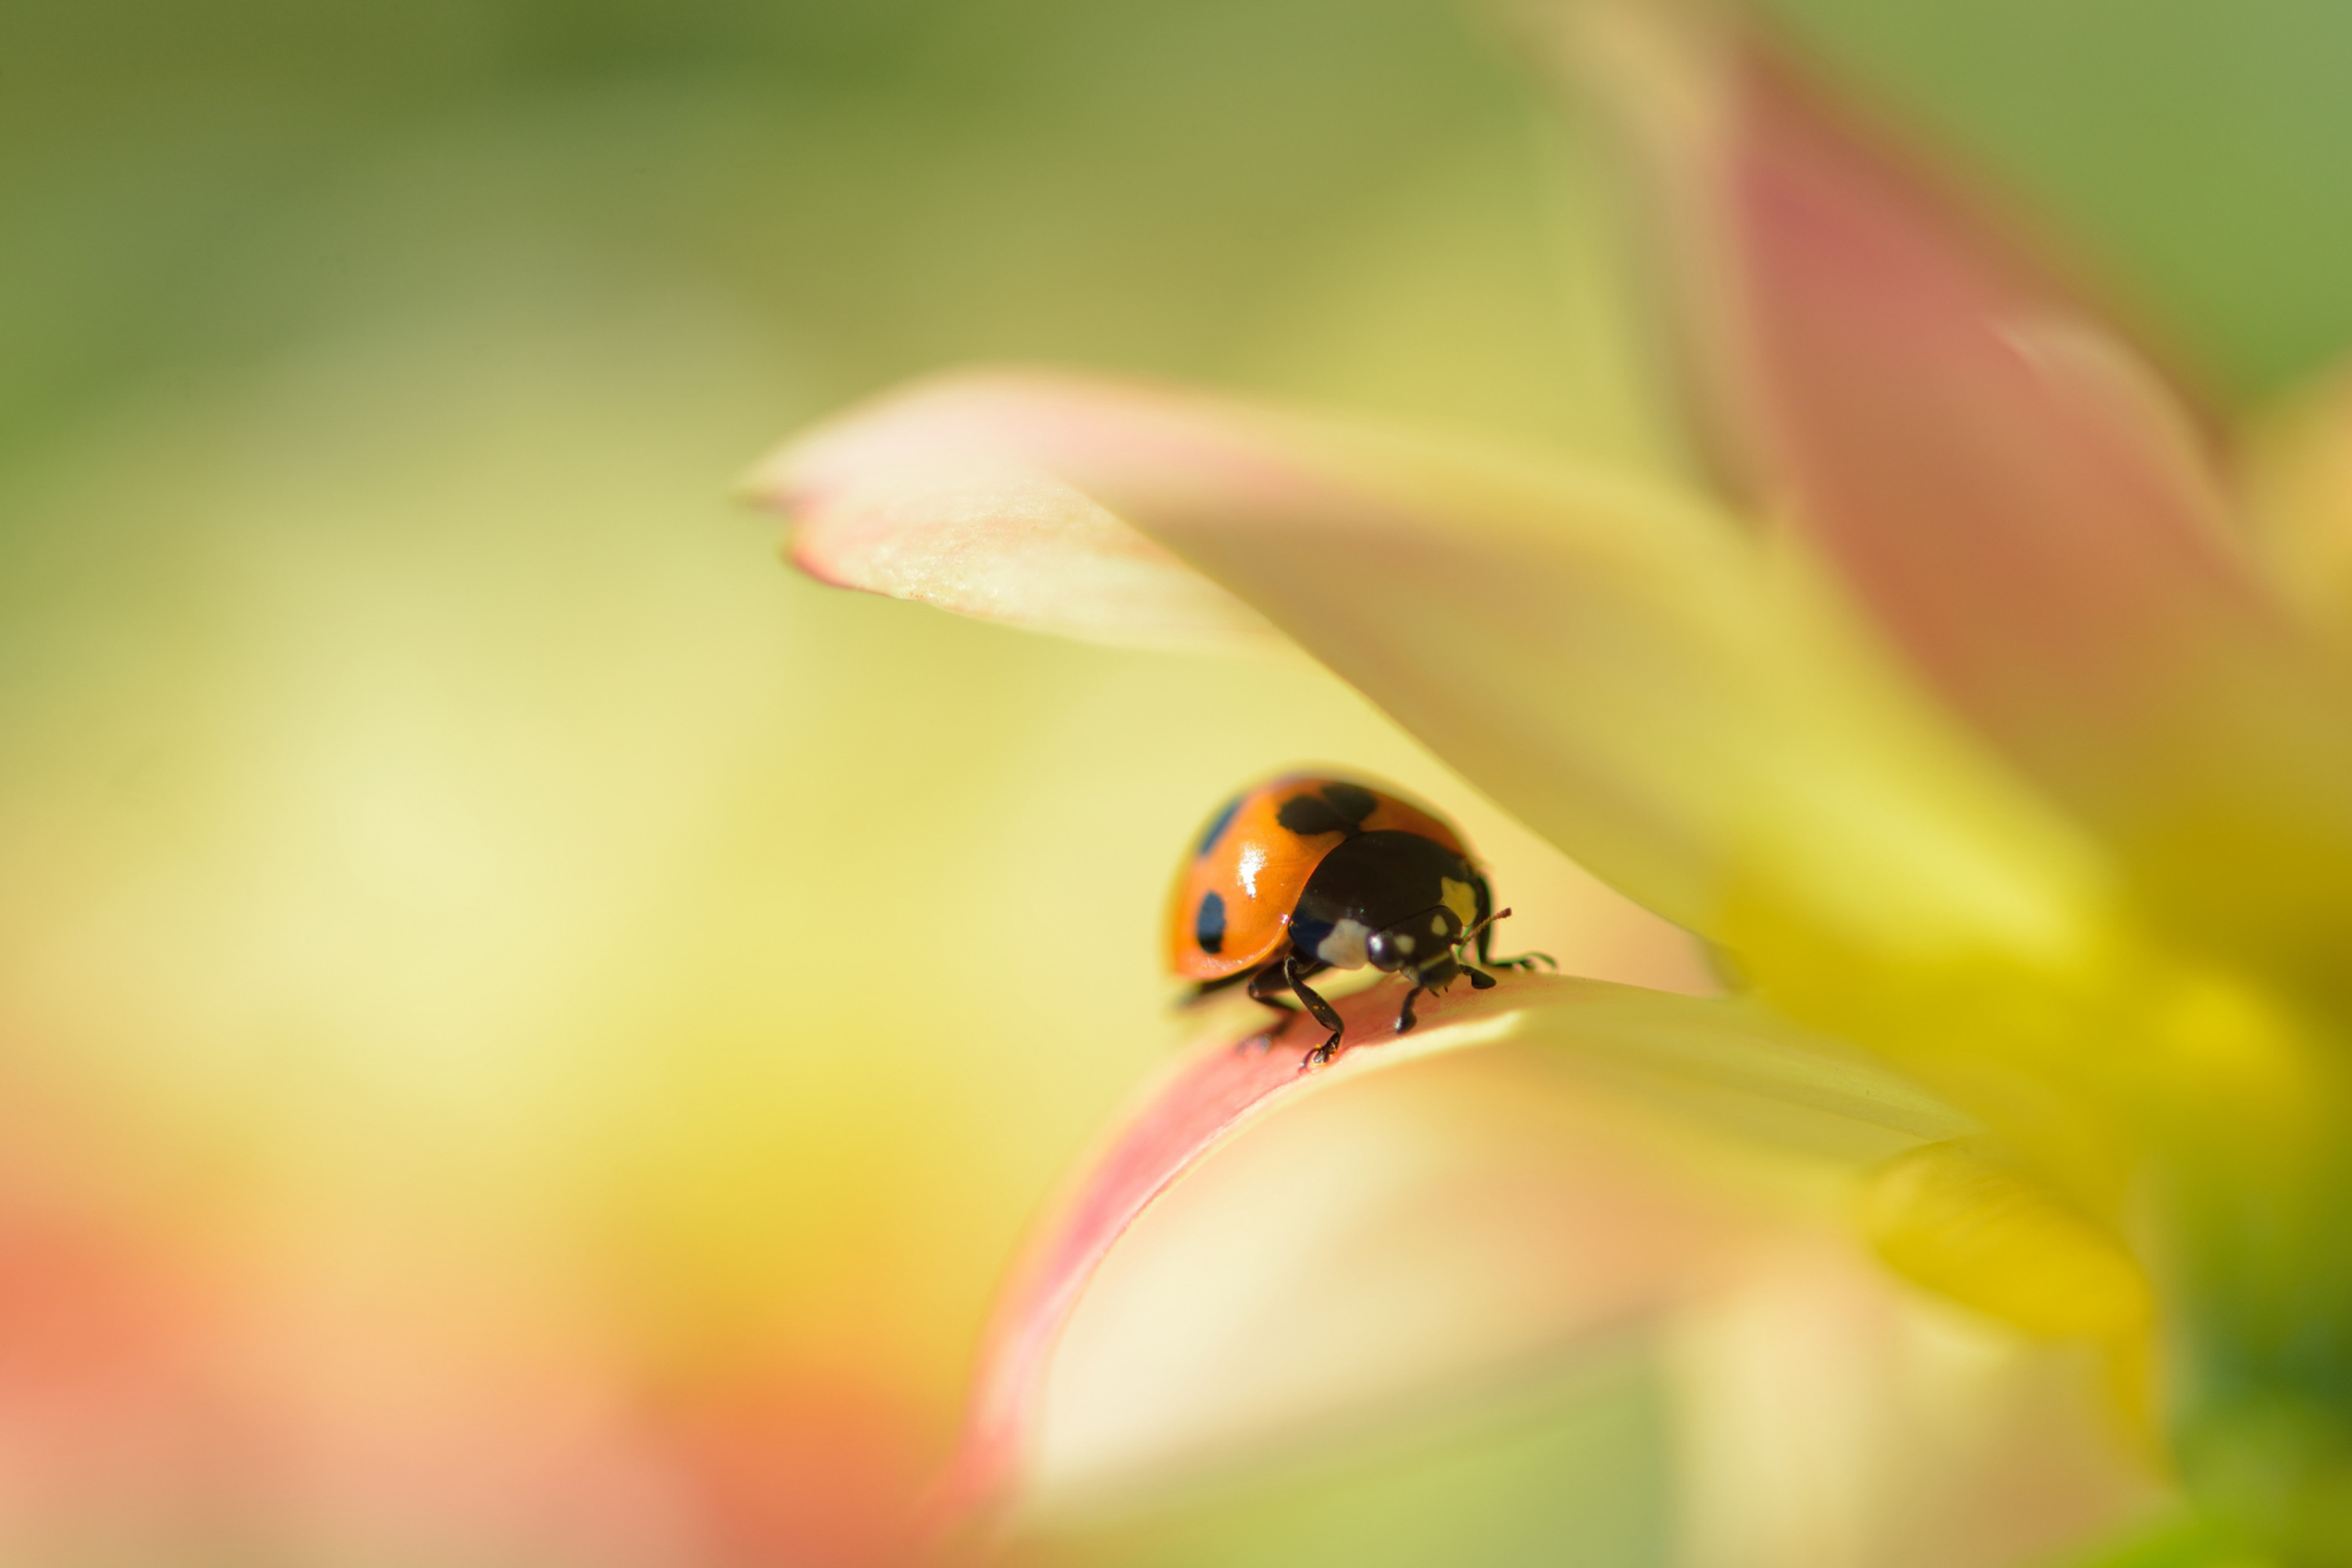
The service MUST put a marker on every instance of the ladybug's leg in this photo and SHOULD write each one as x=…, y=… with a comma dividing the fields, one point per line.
x=1436, y=978
x=1488, y=916
x=1208, y=988
x=1265, y=985
x=1325, y=1013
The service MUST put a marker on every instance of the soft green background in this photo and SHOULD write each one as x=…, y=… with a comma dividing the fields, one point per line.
x=2201, y=149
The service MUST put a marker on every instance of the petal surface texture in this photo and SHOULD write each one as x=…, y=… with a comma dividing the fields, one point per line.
x=2026, y=510
x=942, y=507
x=1621, y=1248
x=1626, y=670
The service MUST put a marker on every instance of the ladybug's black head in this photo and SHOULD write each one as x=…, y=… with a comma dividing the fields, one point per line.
x=1420, y=945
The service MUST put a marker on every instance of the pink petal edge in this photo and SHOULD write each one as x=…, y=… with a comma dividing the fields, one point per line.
x=1203, y=1100
x=966, y=492
x=1675, y=1044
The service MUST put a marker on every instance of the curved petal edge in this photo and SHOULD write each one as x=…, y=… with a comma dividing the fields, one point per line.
x=1722, y=1061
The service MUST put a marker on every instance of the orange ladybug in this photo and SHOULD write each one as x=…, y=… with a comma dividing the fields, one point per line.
x=1305, y=873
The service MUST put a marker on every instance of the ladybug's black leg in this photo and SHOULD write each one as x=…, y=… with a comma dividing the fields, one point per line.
x=1325, y=1013
x=1265, y=985
x=1405, y=1020
x=1485, y=935
x=1479, y=979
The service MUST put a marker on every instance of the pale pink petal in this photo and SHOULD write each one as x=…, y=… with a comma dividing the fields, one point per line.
x=2025, y=507
x=948, y=503
x=1611, y=661
x=1403, y=1242
x=1632, y=1245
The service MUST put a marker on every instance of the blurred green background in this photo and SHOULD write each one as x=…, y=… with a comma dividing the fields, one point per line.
x=473, y=925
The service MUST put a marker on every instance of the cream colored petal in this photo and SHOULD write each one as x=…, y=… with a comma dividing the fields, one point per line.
x=1830, y=1418
x=943, y=501
x=1485, y=1216
x=1625, y=670
x=1400, y=1240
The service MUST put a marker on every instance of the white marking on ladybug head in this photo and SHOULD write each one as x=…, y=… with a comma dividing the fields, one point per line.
x=1405, y=942
x=1460, y=899
x=1344, y=948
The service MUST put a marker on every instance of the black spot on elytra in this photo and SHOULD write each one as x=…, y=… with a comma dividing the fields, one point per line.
x=1217, y=826
x=1351, y=801
x=1338, y=809
x=1209, y=925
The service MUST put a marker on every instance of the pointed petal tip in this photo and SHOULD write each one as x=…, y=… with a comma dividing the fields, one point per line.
x=958, y=492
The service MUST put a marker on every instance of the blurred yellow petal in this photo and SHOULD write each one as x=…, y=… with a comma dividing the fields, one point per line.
x=2295, y=464
x=1620, y=666
x=1984, y=1232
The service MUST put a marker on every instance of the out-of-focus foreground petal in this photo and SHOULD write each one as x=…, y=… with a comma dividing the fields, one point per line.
x=170, y=1394
x=1581, y=1242
x=2295, y=467
x=1621, y=668
x=1830, y=1416
x=2023, y=504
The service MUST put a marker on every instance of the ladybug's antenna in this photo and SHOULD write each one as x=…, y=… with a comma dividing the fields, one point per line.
x=1472, y=934
x=1478, y=933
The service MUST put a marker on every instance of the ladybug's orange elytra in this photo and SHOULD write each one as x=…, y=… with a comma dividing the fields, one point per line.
x=1311, y=871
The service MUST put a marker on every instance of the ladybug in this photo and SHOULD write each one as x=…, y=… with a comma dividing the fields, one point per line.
x=1309, y=872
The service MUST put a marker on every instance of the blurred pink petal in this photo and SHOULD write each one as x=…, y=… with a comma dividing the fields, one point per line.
x=165, y=1386
x=97, y=1381
x=1718, y=1062
x=808, y=1467
x=2025, y=506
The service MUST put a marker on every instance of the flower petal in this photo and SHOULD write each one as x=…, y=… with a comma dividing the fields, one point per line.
x=2025, y=507
x=939, y=502
x=1727, y=1062
x=2296, y=465
x=1981, y=1231
x=1393, y=1247
x=1830, y=1416
x=1624, y=669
